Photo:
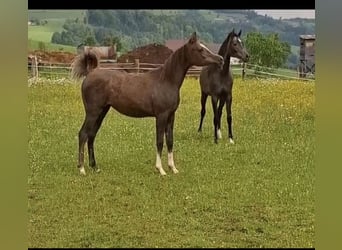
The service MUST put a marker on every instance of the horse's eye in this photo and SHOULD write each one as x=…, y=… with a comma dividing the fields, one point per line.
x=200, y=49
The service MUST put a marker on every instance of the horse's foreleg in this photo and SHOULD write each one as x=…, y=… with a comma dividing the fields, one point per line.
x=219, y=114
x=229, y=117
x=214, y=104
x=169, y=142
x=161, y=122
x=203, y=103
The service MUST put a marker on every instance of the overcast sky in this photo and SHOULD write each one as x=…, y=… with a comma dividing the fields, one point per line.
x=287, y=13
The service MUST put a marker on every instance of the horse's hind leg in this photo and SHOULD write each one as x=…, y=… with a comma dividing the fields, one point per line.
x=82, y=139
x=169, y=143
x=219, y=114
x=87, y=132
x=203, y=102
x=92, y=135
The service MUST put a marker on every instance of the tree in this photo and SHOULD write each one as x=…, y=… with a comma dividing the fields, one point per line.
x=267, y=51
x=56, y=38
x=90, y=41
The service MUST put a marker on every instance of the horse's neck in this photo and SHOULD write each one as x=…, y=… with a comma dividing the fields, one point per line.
x=175, y=69
x=226, y=55
x=226, y=65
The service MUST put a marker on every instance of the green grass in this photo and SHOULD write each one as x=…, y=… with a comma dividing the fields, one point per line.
x=55, y=21
x=44, y=32
x=34, y=45
x=258, y=192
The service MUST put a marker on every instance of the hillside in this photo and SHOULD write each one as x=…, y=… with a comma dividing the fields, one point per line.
x=136, y=28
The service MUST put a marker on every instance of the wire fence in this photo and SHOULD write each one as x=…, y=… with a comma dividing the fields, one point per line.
x=244, y=70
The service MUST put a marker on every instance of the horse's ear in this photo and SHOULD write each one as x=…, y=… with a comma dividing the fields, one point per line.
x=193, y=38
x=239, y=33
x=233, y=31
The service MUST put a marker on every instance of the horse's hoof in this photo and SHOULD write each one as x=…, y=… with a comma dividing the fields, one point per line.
x=174, y=170
x=231, y=141
x=219, y=134
x=97, y=170
x=82, y=171
x=161, y=171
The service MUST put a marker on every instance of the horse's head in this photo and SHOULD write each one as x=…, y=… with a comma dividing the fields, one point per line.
x=236, y=47
x=199, y=55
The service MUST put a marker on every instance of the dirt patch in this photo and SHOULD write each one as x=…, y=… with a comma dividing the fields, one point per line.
x=53, y=56
x=151, y=53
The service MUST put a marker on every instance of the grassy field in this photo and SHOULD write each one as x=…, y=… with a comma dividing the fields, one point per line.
x=35, y=45
x=43, y=33
x=258, y=192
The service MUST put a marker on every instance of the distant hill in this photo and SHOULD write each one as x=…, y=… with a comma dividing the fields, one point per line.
x=137, y=28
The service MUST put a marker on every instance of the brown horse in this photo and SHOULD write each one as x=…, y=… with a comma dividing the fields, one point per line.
x=151, y=94
x=218, y=83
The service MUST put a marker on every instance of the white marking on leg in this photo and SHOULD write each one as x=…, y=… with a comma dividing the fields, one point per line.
x=219, y=135
x=82, y=171
x=159, y=165
x=171, y=163
x=231, y=141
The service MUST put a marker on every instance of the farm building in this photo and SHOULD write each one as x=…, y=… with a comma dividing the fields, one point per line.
x=307, y=55
x=103, y=52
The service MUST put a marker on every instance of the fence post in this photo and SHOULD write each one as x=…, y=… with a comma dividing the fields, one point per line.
x=243, y=71
x=137, y=64
x=34, y=66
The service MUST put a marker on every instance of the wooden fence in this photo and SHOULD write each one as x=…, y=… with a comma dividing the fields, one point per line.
x=36, y=68
x=42, y=68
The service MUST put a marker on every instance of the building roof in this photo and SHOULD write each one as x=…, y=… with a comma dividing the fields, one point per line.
x=305, y=37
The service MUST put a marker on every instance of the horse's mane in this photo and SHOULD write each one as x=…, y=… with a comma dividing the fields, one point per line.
x=171, y=63
x=223, y=48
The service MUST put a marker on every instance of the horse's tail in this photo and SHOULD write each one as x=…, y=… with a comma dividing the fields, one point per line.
x=83, y=64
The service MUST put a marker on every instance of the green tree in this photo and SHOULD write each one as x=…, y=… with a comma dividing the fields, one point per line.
x=56, y=38
x=74, y=33
x=90, y=40
x=267, y=51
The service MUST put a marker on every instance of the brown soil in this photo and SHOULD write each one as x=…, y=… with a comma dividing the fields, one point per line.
x=53, y=56
x=151, y=53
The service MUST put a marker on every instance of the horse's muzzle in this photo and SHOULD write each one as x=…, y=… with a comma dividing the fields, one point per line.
x=246, y=59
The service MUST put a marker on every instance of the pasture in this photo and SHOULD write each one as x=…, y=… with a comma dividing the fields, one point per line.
x=259, y=192
x=55, y=21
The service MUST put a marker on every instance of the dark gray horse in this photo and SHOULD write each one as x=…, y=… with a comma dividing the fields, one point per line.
x=218, y=82
x=151, y=94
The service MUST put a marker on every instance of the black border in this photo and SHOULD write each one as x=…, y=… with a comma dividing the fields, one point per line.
x=158, y=4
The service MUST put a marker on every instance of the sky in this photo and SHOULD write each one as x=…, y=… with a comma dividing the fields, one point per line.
x=287, y=13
